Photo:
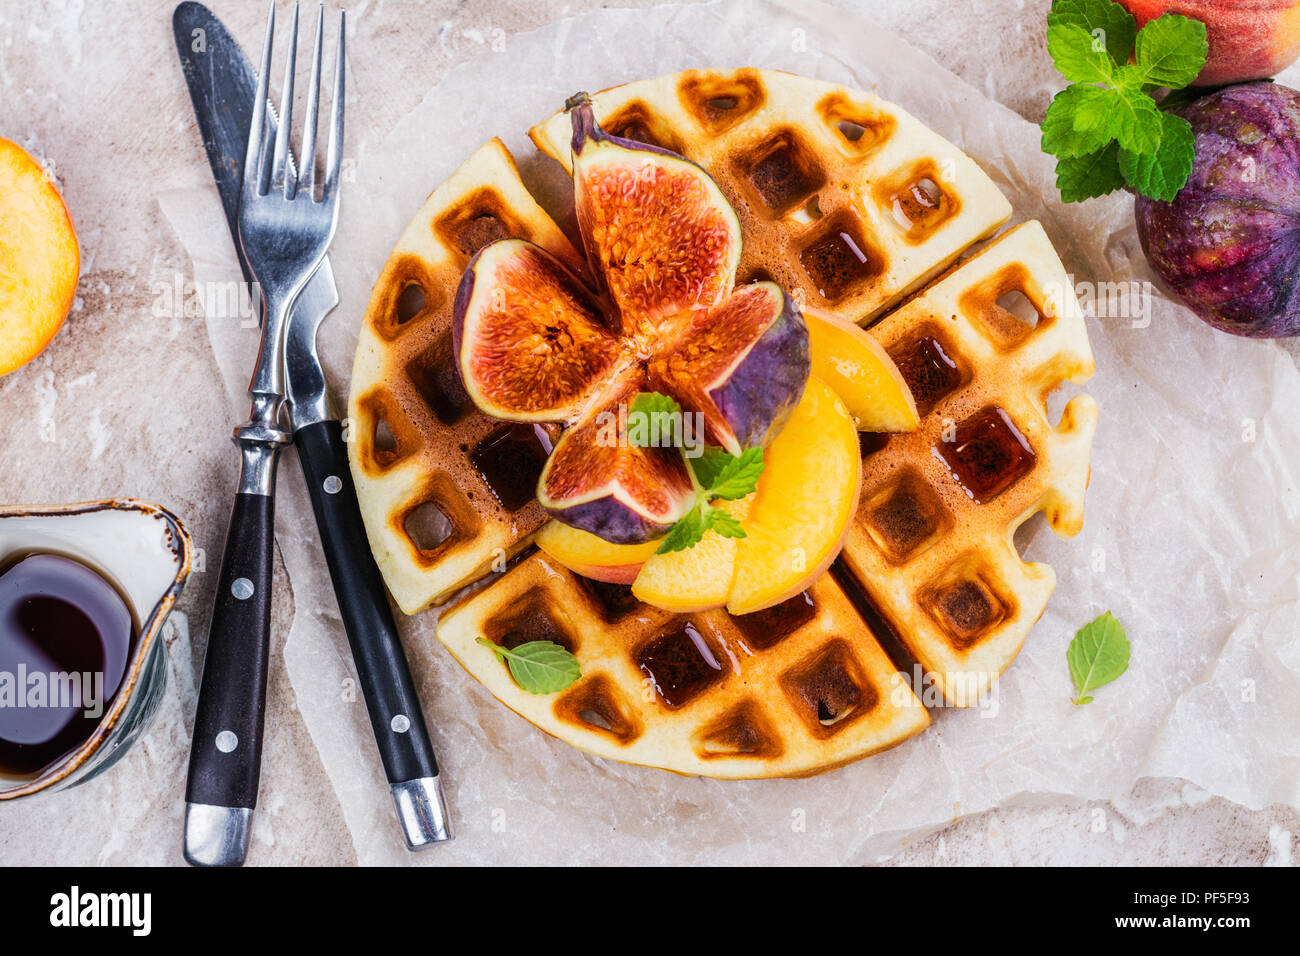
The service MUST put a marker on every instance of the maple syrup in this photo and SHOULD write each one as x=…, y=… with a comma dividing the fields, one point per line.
x=928, y=370
x=66, y=639
x=767, y=628
x=680, y=664
x=988, y=454
x=511, y=460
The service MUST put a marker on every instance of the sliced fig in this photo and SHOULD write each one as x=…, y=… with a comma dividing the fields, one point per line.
x=528, y=335
x=598, y=482
x=660, y=236
x=535, y=342
x=744, y=366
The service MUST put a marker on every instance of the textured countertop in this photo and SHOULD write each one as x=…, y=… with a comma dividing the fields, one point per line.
x=129, y=402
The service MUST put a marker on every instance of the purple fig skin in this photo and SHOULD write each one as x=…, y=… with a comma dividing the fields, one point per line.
x=764, y=389
x=610, y=519
x=586, y=128
x=1228, y=245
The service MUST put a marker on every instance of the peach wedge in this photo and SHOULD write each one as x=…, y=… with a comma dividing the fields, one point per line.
x=698, y=578
x=849, y=360
x=39, y=259
x=591, y=556
x=805, y=499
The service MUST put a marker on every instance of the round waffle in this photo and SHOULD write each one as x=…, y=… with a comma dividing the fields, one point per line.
x=853, y=205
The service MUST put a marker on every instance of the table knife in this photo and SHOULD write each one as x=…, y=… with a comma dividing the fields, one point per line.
x=221, y=84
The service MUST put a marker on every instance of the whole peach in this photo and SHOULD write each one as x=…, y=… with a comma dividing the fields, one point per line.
x=1249, y=39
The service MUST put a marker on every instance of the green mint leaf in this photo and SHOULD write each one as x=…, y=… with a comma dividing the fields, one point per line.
x=1076, y=122
x=1084, y=177
x=738, y=477
x=649, y=417
x=709, y=465
x=1107, y=24
x=687, y=532
x=1161, y=174
x=1098, y=655
x=725, y=523
x=539, y=667
x=1131, y=114
x=1171, y=50
x=1078, y=57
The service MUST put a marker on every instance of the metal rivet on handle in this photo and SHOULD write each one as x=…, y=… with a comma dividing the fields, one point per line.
x=400, y=724
x=227, y=741
x=242, y=588
x=332, y=485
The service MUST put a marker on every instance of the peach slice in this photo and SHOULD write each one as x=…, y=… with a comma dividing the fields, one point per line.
x=591, y=556
x=805, y=499
x=39, y=259
x=698, y=578
x=848, y=359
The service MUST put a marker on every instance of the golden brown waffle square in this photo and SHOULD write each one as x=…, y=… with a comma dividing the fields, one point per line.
x=796, y=690
x=445, y=491
x=932, y=542
x=841, y=196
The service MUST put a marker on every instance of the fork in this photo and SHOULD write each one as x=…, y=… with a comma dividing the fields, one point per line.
x=284, y=232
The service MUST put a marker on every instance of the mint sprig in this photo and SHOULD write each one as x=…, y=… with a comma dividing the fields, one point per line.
x=539, y=667
x=1098, y=655
x=646, y=417
x=719, y=475
x=1106, y=129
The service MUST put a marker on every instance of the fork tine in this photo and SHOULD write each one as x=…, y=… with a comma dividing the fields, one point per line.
x=257, y=127
x=333, y=154
x=284, y=132
x=307, y=161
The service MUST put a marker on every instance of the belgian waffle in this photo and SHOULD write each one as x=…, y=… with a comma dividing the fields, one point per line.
x=852, y=205
x=932, y=542
x=795, y=690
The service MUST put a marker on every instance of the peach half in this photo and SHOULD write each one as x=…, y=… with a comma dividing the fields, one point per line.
x=39, y=258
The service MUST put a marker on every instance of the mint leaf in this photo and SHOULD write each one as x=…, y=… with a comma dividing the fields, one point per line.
x=1098, y=654
x=1077, y=56
x=709, y=465
x=649, y=417
x=1107, y=24
x=1133, y=117
x=719, y=475
x=539, y=667
x=1171, y=50
x=738, y=477
x=1161, y=174
x=686, y=533
x=1083, y=177
x=1076, y=122
x=725, y=523
x=1107, y=116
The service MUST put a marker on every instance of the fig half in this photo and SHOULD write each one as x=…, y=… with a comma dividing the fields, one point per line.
x=535, y=342
x=660, y=237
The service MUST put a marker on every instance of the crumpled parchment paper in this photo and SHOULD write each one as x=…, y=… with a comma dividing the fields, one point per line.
x=1192, y=536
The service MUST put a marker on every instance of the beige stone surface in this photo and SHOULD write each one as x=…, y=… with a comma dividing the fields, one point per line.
x=127, y=402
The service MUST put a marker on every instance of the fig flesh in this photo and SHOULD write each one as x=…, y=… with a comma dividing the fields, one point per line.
x=659, y=313
x=1228, y=244
x=660, y=237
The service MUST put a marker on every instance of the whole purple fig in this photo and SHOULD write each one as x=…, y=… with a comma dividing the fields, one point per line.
x=1228, y=245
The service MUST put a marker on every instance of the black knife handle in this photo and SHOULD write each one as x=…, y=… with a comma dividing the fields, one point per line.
x=226, y=755
x=385, y=678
